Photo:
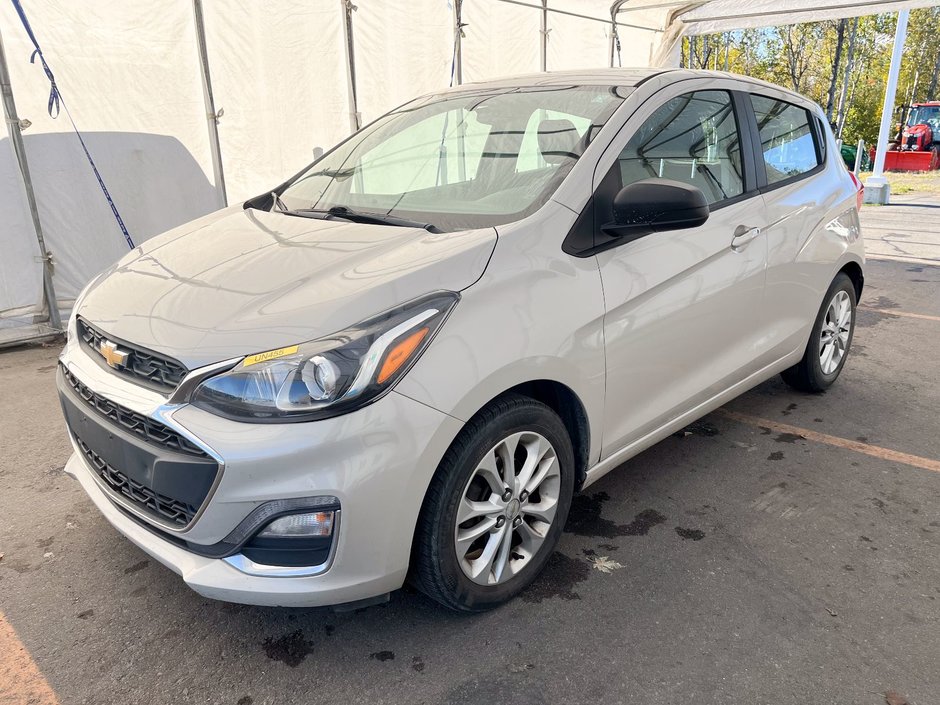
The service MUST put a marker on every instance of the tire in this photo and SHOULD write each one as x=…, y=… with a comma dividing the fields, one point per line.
x=446, y=556
x=814, y=373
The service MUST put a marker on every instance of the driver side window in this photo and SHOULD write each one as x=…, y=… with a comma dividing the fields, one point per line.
x=692, y=138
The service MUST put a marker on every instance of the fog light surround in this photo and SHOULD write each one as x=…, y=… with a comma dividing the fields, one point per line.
x=307, y=525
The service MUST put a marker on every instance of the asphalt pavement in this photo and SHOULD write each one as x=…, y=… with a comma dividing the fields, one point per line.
x=785, y=549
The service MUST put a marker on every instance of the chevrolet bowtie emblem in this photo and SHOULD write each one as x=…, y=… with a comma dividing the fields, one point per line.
x=112, y=354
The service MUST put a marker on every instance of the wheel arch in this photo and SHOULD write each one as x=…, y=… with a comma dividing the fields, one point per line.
x=853, y=270
x=561, y=399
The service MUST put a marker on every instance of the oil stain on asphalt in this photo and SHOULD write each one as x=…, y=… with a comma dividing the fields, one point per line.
x=382, y=655
x=562, y=573
x=691, y=534
x=585, y=519
x=290, y=649
x=136, y=567
x=558, y=579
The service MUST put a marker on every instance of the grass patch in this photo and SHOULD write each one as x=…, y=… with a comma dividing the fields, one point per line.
x=927, y=182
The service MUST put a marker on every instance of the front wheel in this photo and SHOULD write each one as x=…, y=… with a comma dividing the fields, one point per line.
x=496, y=506
x=829, y=342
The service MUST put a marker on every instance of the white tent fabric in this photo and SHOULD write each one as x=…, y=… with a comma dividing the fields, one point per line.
x=281, y=97
x=499, y=39
x=132, y=79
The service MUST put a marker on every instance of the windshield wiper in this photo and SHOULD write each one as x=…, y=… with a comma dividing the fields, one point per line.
x=276, y=203
x=338, y=174
x=360, y=217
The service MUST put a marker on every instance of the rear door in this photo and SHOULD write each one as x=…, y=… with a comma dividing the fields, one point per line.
x=683, y=307
x=798, y=192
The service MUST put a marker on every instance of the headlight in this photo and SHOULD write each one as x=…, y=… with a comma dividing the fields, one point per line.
x=329, y=376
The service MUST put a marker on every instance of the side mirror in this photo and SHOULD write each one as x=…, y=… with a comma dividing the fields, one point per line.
x=654, y=205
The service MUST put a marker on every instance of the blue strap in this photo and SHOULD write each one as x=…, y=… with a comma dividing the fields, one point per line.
x=56, y=103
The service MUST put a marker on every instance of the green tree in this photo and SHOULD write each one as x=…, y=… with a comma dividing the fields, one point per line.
x=842, y=65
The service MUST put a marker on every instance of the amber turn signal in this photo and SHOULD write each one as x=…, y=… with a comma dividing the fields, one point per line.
x=399, y=354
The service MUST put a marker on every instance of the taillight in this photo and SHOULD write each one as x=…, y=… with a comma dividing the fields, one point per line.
x=859, y=190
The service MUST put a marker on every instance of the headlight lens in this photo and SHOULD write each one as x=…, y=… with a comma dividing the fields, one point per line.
x=329, y=376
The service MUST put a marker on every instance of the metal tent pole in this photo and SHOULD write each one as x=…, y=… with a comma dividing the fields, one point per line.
x=16, y=139
x=543, y=41
x=211, y=114
x=614, y=35
x=877, y=189
x=458, y=44
x=355, y=117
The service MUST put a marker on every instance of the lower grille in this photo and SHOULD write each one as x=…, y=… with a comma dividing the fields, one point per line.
x=142, y=464
x=160, y=506
x=138, y=424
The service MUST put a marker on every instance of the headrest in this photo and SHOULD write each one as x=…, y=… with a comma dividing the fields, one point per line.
x=558, y=140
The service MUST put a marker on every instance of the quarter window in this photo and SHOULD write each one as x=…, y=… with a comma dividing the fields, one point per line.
x=786, y=138
x=692, y=138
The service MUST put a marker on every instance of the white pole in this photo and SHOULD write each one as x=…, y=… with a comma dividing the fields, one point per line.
x=543, y=39
x=355, y=117
x=14, y=125
x=877, y=189
x=212, y=115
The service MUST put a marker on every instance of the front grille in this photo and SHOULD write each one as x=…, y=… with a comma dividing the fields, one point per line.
x=146, y=428
x=160, y=506
x=149, y=368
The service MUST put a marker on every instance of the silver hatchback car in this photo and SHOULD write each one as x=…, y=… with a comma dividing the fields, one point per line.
x=401, y=363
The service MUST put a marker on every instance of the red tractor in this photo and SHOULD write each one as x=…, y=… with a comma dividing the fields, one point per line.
x=918, y=145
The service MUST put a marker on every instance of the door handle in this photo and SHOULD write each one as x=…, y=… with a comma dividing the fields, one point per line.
x=742, y=236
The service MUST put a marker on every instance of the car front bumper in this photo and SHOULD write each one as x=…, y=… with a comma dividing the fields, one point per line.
x=377, y=462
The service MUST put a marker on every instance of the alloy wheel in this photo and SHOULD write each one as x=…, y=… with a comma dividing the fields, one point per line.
x=507, y=508
x=834, y=336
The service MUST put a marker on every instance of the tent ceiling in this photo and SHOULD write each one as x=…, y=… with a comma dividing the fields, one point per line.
x=726, y=15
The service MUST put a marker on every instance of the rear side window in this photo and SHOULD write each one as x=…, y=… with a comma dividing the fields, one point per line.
x=692, y=138
x=786, y=136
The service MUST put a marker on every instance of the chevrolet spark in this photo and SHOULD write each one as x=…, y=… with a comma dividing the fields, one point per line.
x=400, y=364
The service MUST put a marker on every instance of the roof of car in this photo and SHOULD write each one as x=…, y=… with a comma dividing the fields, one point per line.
x=627, y=77
x=601, y=77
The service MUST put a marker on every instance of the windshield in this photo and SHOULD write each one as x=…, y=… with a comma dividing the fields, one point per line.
x=462, y=160
x=925, y=115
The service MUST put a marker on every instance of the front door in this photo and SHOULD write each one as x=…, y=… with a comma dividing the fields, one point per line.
x=683, y=307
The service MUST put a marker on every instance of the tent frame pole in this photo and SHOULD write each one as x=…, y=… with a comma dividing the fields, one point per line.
x=458, y=43
x=14, y=128
x=543, y=38
x=877, y=188
x=618, y=6
x=355, y=117
x=212, y=115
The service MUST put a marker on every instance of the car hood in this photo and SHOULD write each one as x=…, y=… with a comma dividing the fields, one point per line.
x=241, y=281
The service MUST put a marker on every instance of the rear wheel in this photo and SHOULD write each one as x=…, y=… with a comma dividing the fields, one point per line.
x=496, y=507
x=829, y=342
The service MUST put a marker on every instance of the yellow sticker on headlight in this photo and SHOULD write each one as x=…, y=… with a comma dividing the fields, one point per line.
x=270, y=355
